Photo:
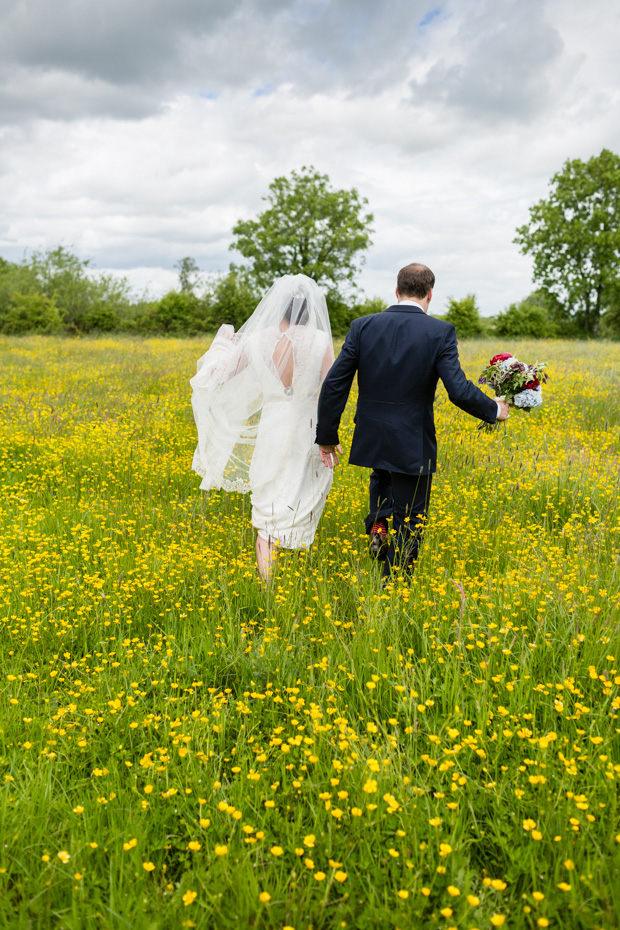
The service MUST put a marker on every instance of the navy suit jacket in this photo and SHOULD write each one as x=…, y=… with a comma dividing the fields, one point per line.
x=398, y=355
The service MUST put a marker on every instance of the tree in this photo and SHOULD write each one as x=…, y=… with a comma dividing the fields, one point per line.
x=23, y=307
x=178, y=313
x=85, y=303
x=187, y=269
x=308, y=228
x=610, y=319
x=343, y=312
x=464, y=316
x=574, y=237
x=30, y=313
x=529, y=319
x=233, y=299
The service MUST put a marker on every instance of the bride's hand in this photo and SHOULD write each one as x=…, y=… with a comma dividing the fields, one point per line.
x=329, y=455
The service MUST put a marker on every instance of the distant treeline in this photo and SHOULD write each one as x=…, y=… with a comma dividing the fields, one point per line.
x=56, y=292
x=539, y=316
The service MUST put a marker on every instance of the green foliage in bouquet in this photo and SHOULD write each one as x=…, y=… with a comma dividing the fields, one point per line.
x=509, y=377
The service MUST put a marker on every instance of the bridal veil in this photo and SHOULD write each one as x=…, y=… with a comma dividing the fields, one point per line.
x=264, y=362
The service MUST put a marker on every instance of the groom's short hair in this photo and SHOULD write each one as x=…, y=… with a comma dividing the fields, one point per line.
x=415, y=280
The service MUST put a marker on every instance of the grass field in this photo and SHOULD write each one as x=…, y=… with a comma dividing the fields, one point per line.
x=179, y=748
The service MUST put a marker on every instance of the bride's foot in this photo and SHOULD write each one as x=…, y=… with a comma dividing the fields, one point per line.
x=265, y=559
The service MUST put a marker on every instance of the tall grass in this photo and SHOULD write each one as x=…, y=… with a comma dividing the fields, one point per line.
x=180, y=747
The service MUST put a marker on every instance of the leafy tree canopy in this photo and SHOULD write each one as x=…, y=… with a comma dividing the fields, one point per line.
x=574, y=237
x=188, y=274
x=74, y=298
x=308, y=228
x=525, y=321
x=464, y=316
x=529, y=319
x=233, y=299
x=87, y=303
x=610, y=319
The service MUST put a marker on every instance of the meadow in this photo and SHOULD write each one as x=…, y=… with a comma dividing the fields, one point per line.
x=180, y=747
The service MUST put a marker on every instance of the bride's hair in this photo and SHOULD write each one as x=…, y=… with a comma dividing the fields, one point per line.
x=296, y=314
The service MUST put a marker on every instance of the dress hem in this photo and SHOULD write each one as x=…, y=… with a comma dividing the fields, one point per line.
x=284, y=543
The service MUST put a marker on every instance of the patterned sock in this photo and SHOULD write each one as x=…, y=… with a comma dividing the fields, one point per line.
x=379, y=527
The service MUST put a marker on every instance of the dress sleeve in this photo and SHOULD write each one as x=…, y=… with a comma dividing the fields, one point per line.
x=222, y=361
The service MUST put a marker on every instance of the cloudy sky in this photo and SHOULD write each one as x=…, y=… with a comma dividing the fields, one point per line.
x=139, y=131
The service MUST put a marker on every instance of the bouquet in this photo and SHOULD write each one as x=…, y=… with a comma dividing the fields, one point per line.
x=513, y=381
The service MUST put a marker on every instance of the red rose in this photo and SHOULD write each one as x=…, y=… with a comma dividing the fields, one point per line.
x=500, y=358
x=531, y=385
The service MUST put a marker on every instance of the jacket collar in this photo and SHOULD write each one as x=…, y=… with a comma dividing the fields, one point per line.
x=408, y=308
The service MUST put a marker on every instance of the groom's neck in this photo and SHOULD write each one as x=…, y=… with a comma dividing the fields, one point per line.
x=422, y=301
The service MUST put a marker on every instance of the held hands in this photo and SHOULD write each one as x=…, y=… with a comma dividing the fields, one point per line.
x=329, y=455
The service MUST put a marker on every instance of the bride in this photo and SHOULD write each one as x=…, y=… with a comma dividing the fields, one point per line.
x=254, y=400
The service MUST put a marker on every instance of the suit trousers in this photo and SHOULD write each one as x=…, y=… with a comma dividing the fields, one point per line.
x=406, y=499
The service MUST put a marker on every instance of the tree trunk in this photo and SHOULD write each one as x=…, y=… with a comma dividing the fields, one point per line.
x=586, y=305
x=597, y=311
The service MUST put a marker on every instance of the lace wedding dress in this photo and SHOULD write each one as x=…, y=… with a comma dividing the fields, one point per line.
x=255, y=398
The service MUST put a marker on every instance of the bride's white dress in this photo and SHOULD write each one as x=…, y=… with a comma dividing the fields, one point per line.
x=288, y=481
x=256, y=415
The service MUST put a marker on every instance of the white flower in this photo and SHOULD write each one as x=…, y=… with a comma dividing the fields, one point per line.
x=528, y=399
x=506, y=363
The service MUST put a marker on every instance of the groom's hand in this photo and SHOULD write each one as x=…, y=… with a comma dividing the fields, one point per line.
x=503, y=411
x=329, y=455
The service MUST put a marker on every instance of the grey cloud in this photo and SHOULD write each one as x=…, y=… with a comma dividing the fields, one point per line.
x=63, y=95
x=117, y=42
x=70, y=60
x=499, y=65
x=361, y=46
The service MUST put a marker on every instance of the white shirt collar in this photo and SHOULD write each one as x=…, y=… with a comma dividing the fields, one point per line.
x=411, y=303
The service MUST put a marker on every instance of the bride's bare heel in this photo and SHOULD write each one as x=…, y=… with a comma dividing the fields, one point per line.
x=266, y=557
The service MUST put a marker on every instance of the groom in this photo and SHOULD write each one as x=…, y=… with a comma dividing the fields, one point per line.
x=398, y=355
